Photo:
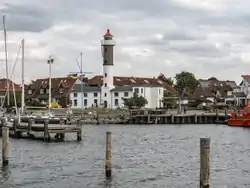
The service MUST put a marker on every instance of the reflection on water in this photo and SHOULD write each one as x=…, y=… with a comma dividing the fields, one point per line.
x=143, y=156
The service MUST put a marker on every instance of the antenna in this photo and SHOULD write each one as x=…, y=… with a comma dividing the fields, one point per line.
x=81, y=75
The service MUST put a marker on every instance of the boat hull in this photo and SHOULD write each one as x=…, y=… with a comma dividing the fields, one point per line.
x=239, y=122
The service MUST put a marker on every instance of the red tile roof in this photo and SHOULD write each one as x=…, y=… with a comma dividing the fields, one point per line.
x=123, y=81
x=246, y=77
x=56, y=83
x=3, y=86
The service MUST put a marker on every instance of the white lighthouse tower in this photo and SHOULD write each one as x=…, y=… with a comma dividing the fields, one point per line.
x=108, y=64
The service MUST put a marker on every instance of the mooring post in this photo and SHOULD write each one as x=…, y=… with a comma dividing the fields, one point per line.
x=217, y=114
x=15, y=124
x=108, y=165
x=30, y=123
x=79, y=134
x=204, y=162
x=5, y=145
x=46, y=131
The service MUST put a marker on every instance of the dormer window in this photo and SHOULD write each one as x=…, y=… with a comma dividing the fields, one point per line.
x=61, y=90
x=41, y=91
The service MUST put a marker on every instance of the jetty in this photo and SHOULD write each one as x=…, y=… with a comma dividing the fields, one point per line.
x=41, y=129
x=161, y=117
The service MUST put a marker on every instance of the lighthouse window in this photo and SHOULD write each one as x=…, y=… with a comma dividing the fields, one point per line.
x=105, y=85
x=105, y=49
x=105, y=74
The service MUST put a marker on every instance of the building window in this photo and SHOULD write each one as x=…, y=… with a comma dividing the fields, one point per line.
x=116, y=94
x=75, y=102
x=116, y=102
x=85, y=102
x=95, y=94
x=105, y=85
x=75, y=94
x=105, y=94
x=85, y=94
x=159, y=91
x=61, y=90
x=105, y=74
x=141, y=90
x=47, y=91
x=136, y=90
x=105, y=61
x=29, y=91
x=41, y=91
x=105, y=49
x=125, y=94
x=95, y=102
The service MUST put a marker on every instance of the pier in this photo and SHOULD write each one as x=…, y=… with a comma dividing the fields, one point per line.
x=41, y=130
x=161, y=117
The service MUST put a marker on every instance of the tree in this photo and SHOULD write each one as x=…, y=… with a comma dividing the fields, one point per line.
x=12, y=101
x=185, y=80
x=135, y=101
x=168, y=80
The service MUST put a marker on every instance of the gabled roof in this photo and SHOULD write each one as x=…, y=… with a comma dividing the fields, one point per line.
x=132, y=81
x=62, y=82
x=3, y=86
x=209, y=87
x=246, y=77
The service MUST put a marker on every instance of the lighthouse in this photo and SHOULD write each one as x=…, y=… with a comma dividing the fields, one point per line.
x=107, y=45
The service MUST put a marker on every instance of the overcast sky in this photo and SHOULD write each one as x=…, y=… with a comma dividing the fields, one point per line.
x=206, y=37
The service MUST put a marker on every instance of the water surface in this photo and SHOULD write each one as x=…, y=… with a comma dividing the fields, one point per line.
x=148, y=156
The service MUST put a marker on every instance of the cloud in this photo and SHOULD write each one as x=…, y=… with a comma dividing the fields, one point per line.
x=208, y=38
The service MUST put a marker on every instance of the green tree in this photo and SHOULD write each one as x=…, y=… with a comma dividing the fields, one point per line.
x=185, y=80
x=135, y=101
x=12, y=101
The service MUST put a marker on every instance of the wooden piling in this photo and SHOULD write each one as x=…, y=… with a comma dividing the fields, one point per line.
x=5, y=146
x=46, y=131
x=15, y=124
x=79, y=134
x=30, y=123
x=204, y=162
x=108, y=165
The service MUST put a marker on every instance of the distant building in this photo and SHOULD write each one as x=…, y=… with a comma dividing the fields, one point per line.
x=60, y=90
x=3, y=89
x=92, y=96
x=223, y=91
x=245, y=86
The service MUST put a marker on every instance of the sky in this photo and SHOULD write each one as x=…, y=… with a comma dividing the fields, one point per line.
x=208, y=37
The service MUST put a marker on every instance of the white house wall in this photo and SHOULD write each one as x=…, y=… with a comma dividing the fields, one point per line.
x=90, y=99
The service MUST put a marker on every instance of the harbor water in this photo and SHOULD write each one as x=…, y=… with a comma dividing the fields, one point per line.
x=148, y=156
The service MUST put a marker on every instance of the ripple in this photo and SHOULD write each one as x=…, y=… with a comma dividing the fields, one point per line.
x=143, y=156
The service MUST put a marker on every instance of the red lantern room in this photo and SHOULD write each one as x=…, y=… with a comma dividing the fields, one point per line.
x=108, y=35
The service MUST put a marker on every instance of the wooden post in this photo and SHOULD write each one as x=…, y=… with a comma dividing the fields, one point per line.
x=108, y=165
x=30, y=123
x=204, y=162
x=217, y=114
x=46, y=131
x=5, y=146
x=79, y=134
x=15, y=124
x=4, y=121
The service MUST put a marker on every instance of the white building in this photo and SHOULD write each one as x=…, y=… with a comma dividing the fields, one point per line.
x=108, y=94
x=92, y=96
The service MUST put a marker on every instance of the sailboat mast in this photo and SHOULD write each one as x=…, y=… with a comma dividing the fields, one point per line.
x=22, y=101
x=6, y=63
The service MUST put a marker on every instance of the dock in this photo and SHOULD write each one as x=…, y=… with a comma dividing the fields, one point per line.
x=41, y=130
